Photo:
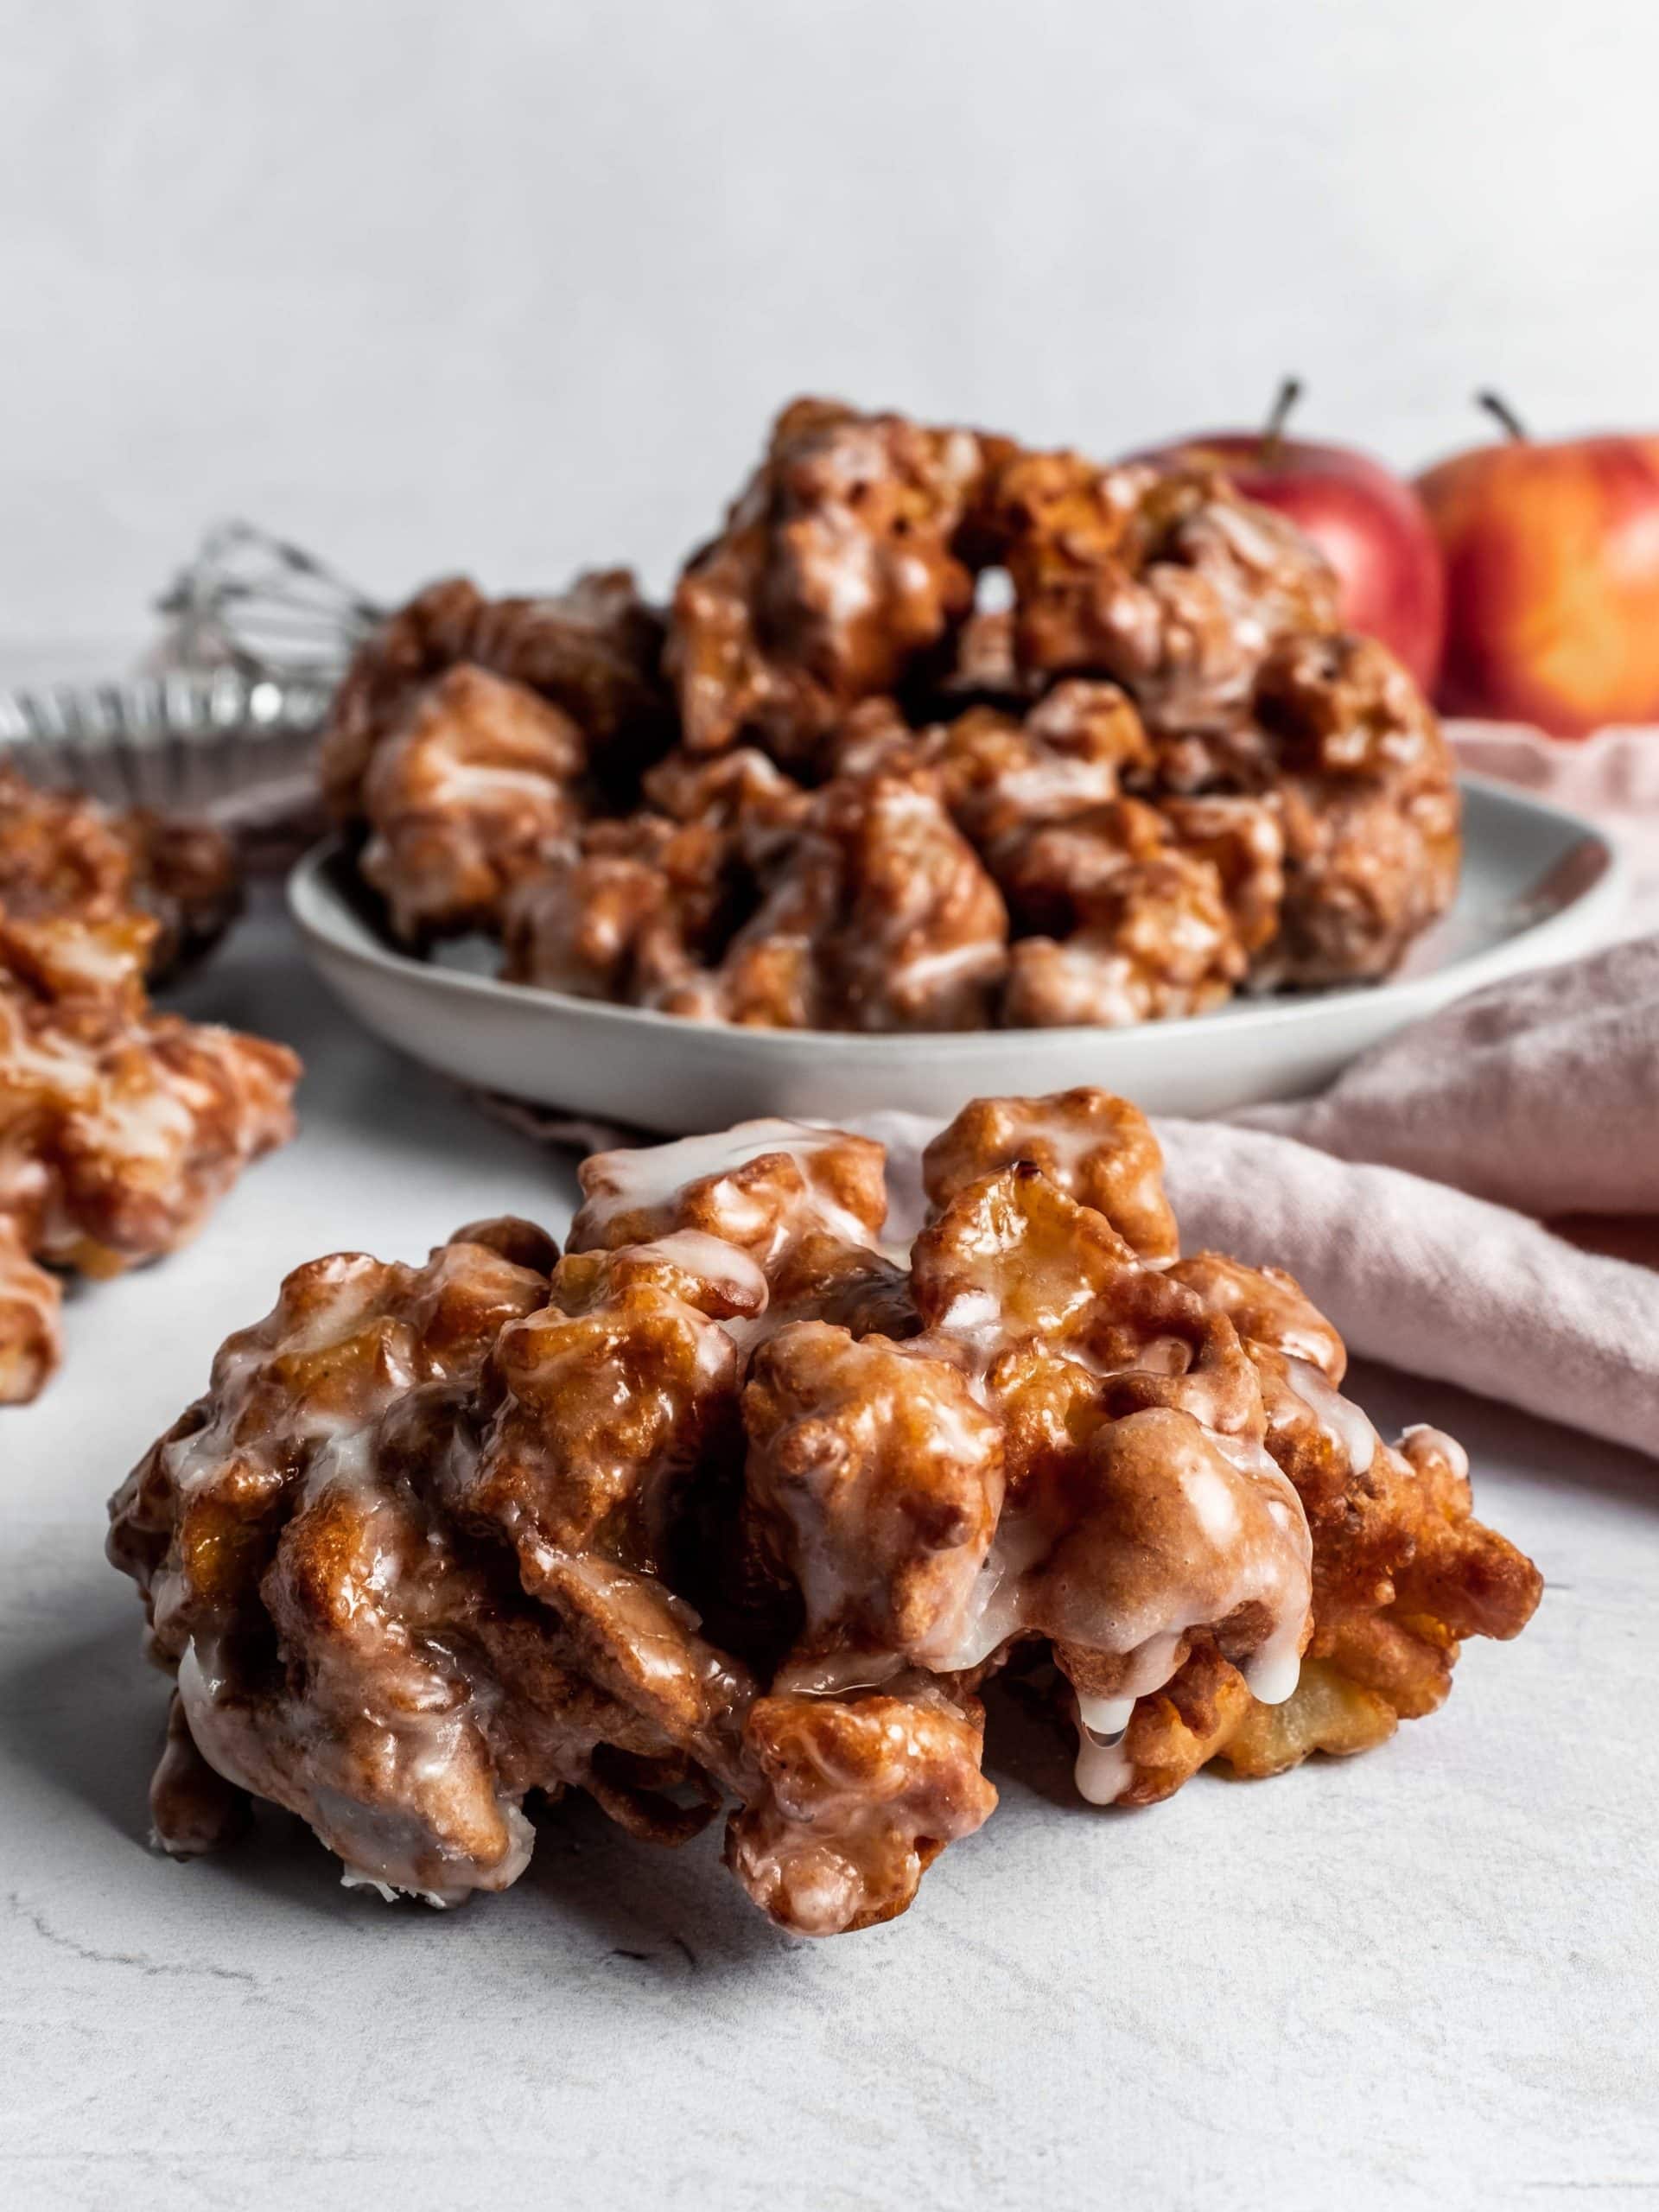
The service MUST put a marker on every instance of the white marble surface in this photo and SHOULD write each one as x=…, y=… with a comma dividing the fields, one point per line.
x=1425, y=1978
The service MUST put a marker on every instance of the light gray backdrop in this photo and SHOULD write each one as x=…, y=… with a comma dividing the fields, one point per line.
x=514, y=285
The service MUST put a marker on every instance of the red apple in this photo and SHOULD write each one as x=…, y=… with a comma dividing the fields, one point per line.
x=1368, y=525
x=1552, y=557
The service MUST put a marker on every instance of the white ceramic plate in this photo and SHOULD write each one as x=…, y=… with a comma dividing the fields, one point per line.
x=1539, y=885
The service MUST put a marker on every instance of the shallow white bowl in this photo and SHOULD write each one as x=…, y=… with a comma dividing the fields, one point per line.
x=1539, y=885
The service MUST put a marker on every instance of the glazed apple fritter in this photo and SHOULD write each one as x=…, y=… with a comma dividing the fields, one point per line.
x=739, y=1502
x=121, y=1127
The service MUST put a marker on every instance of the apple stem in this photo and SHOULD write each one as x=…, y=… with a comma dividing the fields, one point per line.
x=1501, y=411
x=1273, y=434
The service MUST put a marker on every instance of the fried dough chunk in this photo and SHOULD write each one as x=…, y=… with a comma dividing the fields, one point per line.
x=101, y=899
x=740, y=792
x=759, y=1187
x=621, y=915
x=1098, y=1149
x=1166, y=581
x=856, y=1800
x=877, y=1480
x=1129, y=926
x=1243, y=840
x=1148, y=1509
x=574, y=924
x=121, y=1128
x=839, y=563
x=1400, y=1570
x=60, y=854
x=472, y=785
x=883, y=919
x=607, y=1395
x=1368, y=801
x=736, y=1505
x=644, y=909
x=862, y=908
x=1002, y=778
x=1402, y=1573
x=132, y=1128
x=31, y=1305
x=343, y=1644
x=593, y=652
x=1019, y=739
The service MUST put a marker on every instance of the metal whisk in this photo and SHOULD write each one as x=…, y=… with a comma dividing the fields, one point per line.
x=255, y=603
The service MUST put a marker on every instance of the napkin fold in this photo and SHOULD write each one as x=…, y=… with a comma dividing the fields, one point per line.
x=1436, y=1201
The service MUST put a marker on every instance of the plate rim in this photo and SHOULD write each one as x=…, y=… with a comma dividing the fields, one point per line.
x=313, y=904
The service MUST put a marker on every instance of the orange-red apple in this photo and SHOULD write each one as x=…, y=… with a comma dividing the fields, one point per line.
x=1552, y=555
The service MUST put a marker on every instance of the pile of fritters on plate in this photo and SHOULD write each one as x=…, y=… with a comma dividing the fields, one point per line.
x=938, y=733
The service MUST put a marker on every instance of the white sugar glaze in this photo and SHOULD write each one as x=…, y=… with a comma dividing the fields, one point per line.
x=1102, y=1771
x=738, y=1278
x=617, y=1183
x=1339, y=1415
x=454, y=780
x=1449, y=1446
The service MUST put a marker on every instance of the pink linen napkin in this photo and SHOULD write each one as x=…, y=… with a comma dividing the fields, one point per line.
x=1437, y=1199
x=1612, y=777
x=1430, y=1280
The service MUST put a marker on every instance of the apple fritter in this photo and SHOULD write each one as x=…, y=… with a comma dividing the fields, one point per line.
x=118, y=896
x=121, y=1127
x=736, y=1504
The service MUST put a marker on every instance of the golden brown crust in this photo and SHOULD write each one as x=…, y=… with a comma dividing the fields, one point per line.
x=316, y=1504
x=862, y=908
x=97, y=899
x=856, y=1798
x=883, y=919
x=645, y=909
x=31, y=1303
x=837, y=566
x=1368, y=802
x=874, y=1479
x=1098, y=1149
x=471, y=785
x=136, y=1127
x=592, y=652
x=1166, y=582
x=1124, y=924
x=1003, y=776
x=60, y=854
